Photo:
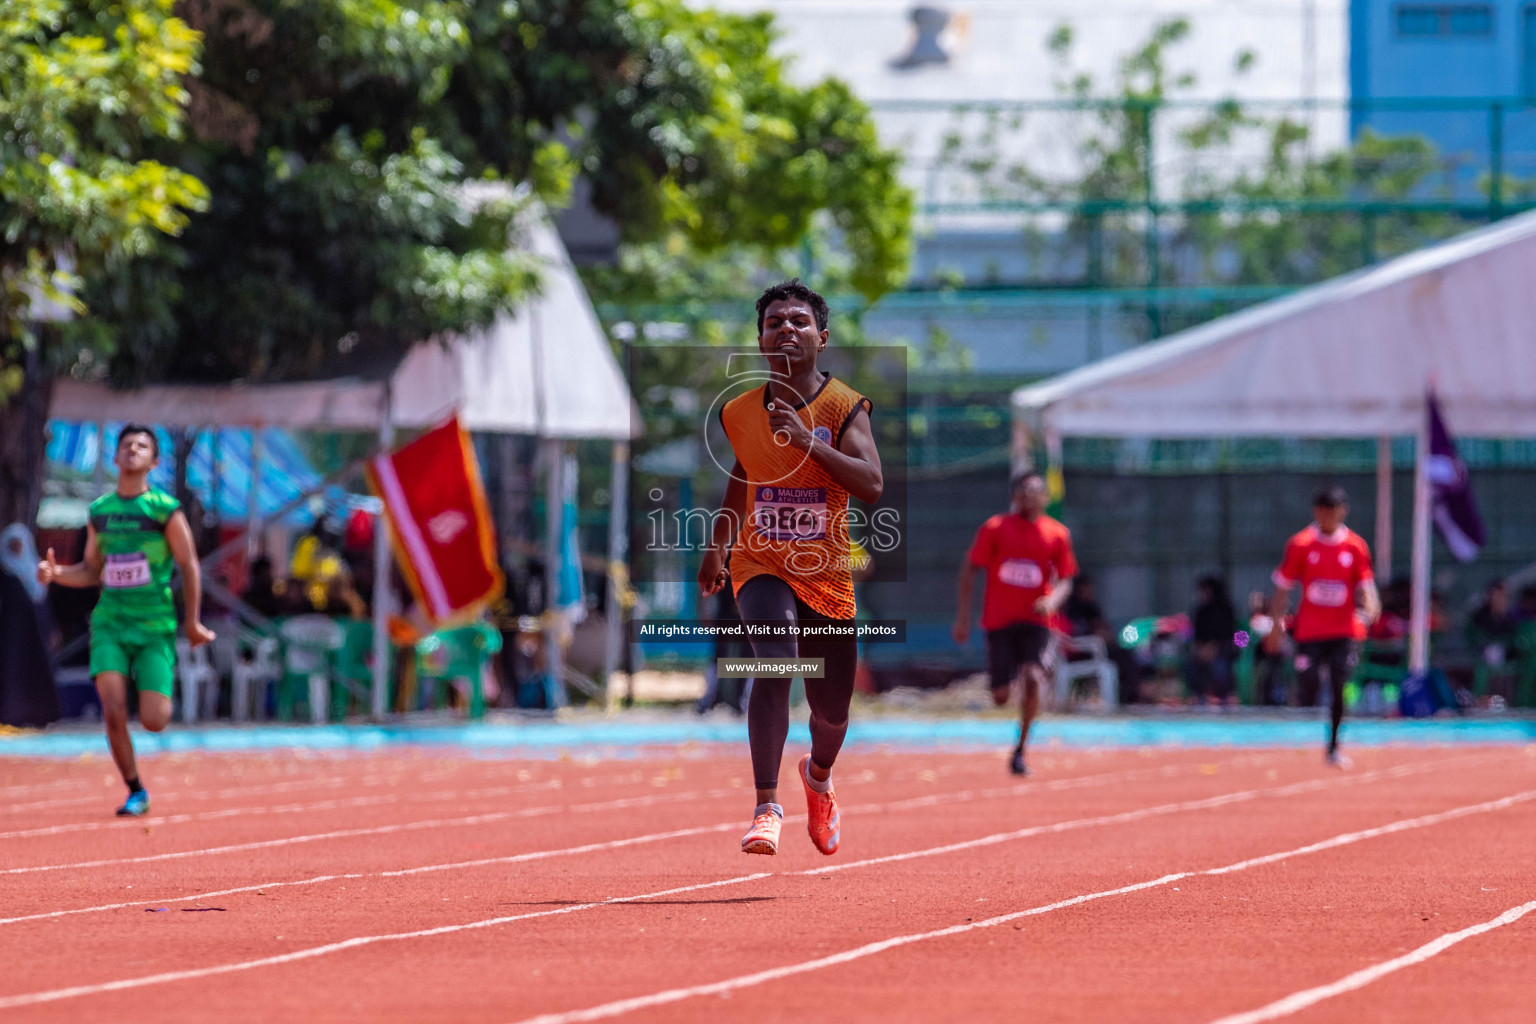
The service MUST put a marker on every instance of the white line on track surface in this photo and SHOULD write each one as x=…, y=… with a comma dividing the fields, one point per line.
x=303, y=954
x=623, y=1006
x=1054, y=785
x=636, y=777
x=440, y=823
x=1301, y=1000
x=377, y=800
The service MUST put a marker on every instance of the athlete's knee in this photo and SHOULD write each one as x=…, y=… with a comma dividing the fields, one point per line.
x=114, y=711
x=155, y=721
x=1001, y=693
x=823, y=721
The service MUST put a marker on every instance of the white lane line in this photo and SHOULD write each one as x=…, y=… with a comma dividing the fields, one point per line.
x=448, y=929
x=500, y=816
x=635, y=777
x=346, y=833
x=964, y=796
x=318, y=805
x=336, y=947
x=1361, y=978
x=623, y=1006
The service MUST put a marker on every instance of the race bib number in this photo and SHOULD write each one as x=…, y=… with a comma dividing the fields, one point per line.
x=1021, y=572
x=131, y=570
x=791, y=513
x=1328, y=593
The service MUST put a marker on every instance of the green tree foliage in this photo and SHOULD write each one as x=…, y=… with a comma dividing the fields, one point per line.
x=694, y=140
x=88, y=88
x=339, y=229
x=334, y=135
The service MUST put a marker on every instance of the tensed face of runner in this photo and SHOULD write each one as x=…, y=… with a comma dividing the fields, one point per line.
x=1032, y=496
x=136, y=453
x=790, y=332
x=1329, y=517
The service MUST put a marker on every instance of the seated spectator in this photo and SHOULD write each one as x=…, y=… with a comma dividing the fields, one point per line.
x=1084, y=615
x=261, y=589
x=1491, y=629
x=1527, y=609
x=1268, y=669
x=1494, y=617
x=1209, y=668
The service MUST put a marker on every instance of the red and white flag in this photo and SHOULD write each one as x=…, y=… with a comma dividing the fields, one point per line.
x=440, y=522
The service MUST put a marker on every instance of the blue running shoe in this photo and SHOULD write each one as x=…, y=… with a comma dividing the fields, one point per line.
x=136, y=805
x=1016, y=764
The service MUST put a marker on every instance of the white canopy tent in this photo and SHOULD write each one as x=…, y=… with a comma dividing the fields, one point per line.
x=545, y=370
x=1353, y=357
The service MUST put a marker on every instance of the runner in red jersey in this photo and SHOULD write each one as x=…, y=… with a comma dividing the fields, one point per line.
x=1028, y=560
x=1332, y=566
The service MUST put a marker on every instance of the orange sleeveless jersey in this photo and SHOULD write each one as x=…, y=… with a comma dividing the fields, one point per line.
x=797, y=523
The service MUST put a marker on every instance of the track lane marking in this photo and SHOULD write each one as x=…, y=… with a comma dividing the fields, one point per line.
x=1023, y=788
x=634, y=777
x=527, y=812
x=83, y=990
x=623, y=1006
x=1297, y=1001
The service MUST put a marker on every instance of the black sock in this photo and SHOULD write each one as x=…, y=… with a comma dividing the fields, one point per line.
x=134, y=787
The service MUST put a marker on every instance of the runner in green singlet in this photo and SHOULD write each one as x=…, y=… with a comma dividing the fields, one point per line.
x=137, y=534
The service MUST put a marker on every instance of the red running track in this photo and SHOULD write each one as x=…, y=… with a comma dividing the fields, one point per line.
x=1179, y=886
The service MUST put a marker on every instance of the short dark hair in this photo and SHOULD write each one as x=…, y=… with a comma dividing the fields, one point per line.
x=796, y=290
x=1023, y=477
x=139, y=428
x=1330, y=497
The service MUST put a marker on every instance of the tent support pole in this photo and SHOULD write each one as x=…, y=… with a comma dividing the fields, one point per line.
x=618, y=545
x=554, y=514
x=381, y=565
x=1383, y=547
x=1418, y=629
x=253, y=500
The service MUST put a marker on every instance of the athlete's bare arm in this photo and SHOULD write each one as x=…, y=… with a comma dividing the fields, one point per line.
x=82, y=574
x=854, y=463
x=1370, y=601
x=1279, y=605
x=733, y=512
x=1051, y=603
x=178, y=537
x=967, y=586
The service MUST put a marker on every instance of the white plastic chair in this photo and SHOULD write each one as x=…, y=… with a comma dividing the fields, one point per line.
x=260, y=672
x=309, y=642
x=198, y=679
x=1096, y=666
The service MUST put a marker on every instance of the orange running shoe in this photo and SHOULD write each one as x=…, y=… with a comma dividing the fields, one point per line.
x=823, y=822
x=763, y=836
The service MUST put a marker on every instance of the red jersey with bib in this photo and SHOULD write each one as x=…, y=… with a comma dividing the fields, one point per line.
x=1024, y=560
x=1329, y=571
x=797, y=515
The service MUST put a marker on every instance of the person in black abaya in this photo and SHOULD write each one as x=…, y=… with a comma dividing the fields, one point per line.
x=28, y=696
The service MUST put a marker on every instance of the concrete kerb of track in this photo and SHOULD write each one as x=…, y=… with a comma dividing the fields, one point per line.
x=619, y=737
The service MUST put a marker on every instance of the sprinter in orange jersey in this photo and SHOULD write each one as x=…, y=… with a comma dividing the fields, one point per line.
x=803, y=445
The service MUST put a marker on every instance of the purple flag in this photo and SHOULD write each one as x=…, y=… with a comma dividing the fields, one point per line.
x=1450, y=491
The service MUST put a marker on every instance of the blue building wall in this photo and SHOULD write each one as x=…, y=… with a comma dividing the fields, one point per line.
x=1469, y=50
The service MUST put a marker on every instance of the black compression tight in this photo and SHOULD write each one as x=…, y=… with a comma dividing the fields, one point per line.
x=770, y=599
